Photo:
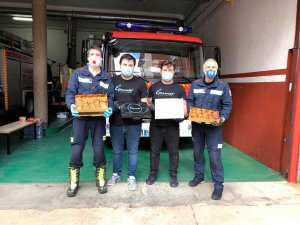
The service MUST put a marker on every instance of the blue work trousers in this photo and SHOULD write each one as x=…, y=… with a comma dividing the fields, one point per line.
x=212, y=136
x=80, y=132
x=132, y=134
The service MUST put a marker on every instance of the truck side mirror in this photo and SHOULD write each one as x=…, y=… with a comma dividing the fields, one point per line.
x=115, y=52
x=217, y=56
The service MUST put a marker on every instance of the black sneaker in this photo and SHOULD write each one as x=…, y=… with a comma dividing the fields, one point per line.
x=173, y=182
x=151, y=179
x=196, y=181
x=217, y=194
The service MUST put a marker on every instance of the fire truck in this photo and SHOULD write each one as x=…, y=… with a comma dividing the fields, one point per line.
x=150, y=45
x=16, y=77
x=16, y=74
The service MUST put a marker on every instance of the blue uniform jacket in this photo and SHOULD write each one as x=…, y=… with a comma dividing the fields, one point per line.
x=214, y=96
x=83, y=82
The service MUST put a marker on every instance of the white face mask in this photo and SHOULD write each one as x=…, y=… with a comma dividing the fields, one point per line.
x=94, y=61
x=167, y=76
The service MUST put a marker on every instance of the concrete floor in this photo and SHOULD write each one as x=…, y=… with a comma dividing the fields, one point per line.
x=243, y=203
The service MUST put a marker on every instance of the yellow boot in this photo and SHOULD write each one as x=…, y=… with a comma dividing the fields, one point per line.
x=100, y=180
x=74, y=181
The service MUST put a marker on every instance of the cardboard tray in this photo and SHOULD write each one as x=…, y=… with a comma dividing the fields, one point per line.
x=206, y=116
x=91, y=104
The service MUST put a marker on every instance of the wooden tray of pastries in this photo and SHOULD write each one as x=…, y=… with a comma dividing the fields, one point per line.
x=91, y=104
x=200, y=115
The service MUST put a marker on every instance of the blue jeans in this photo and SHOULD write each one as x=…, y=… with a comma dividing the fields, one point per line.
x=132, y=133
x=211, y=135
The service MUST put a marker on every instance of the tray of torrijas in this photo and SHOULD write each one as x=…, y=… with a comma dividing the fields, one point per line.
x=91, y=104
x=206, y=116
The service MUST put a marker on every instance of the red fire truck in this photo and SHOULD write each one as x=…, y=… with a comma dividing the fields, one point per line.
x=150, y=45
x=16, y=77
x=16, y=74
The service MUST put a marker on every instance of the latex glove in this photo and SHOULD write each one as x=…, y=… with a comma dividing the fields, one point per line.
x=117, y=106
x=151, y=107
x=218, y=122
x=108, y=112
x=179, y=120
x=73, y=111
x=136, y=118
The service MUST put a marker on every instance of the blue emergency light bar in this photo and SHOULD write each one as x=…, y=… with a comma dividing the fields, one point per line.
x=152, y=27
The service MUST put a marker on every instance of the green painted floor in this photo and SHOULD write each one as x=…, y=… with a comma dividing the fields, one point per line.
x=46, y=160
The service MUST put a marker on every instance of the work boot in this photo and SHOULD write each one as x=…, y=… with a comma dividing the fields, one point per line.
x=173, y=181
x=100, y=180
x=217, y=194
x=151, y=179
x=74, y=181
x=196, y=181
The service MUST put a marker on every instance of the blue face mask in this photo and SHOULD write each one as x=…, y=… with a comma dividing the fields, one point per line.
x=210, y=73
x=127, y=71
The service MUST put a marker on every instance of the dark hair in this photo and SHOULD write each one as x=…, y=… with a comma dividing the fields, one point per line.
x=128, y=57
x=94, y=47
x=167, y=63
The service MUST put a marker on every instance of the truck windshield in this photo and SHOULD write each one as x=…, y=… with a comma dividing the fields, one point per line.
x=149, y=54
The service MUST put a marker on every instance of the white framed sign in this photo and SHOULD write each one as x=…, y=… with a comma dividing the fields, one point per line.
x=169, y=108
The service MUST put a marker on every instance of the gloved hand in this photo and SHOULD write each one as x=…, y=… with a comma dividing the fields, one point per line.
x=108, y=112
x=136, y=118
x=117, y=106
x=179, y=120
x=219, y=122
x=151, y=107
x=73, y=111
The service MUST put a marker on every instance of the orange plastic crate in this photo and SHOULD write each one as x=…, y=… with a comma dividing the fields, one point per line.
x=200, y=115
x=91, y=104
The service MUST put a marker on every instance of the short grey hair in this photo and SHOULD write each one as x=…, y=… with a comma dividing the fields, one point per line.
x=210, y=60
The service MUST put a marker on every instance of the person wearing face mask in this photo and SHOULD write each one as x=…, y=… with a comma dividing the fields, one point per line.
x=165, y=129
x=211, y=93
x=90, y=79
x=128, y=88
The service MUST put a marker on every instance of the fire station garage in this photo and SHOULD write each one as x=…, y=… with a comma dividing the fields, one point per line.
x=255, y=43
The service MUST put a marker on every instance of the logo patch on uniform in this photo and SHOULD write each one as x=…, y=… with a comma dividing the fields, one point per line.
x=104, y=85
x=198, y=91
x=84, y=80
x=216, y=92
x=220, y=145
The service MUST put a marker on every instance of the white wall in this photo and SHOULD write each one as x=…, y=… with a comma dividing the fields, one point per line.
x=254, y=35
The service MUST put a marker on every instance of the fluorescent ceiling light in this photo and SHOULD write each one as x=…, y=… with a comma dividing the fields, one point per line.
x=22, y=18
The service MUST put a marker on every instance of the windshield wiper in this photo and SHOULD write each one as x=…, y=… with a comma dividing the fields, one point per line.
x=185, y=78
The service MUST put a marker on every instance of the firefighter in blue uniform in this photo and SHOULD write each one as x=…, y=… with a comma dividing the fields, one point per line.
x=211, y=93
x=90, y=79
